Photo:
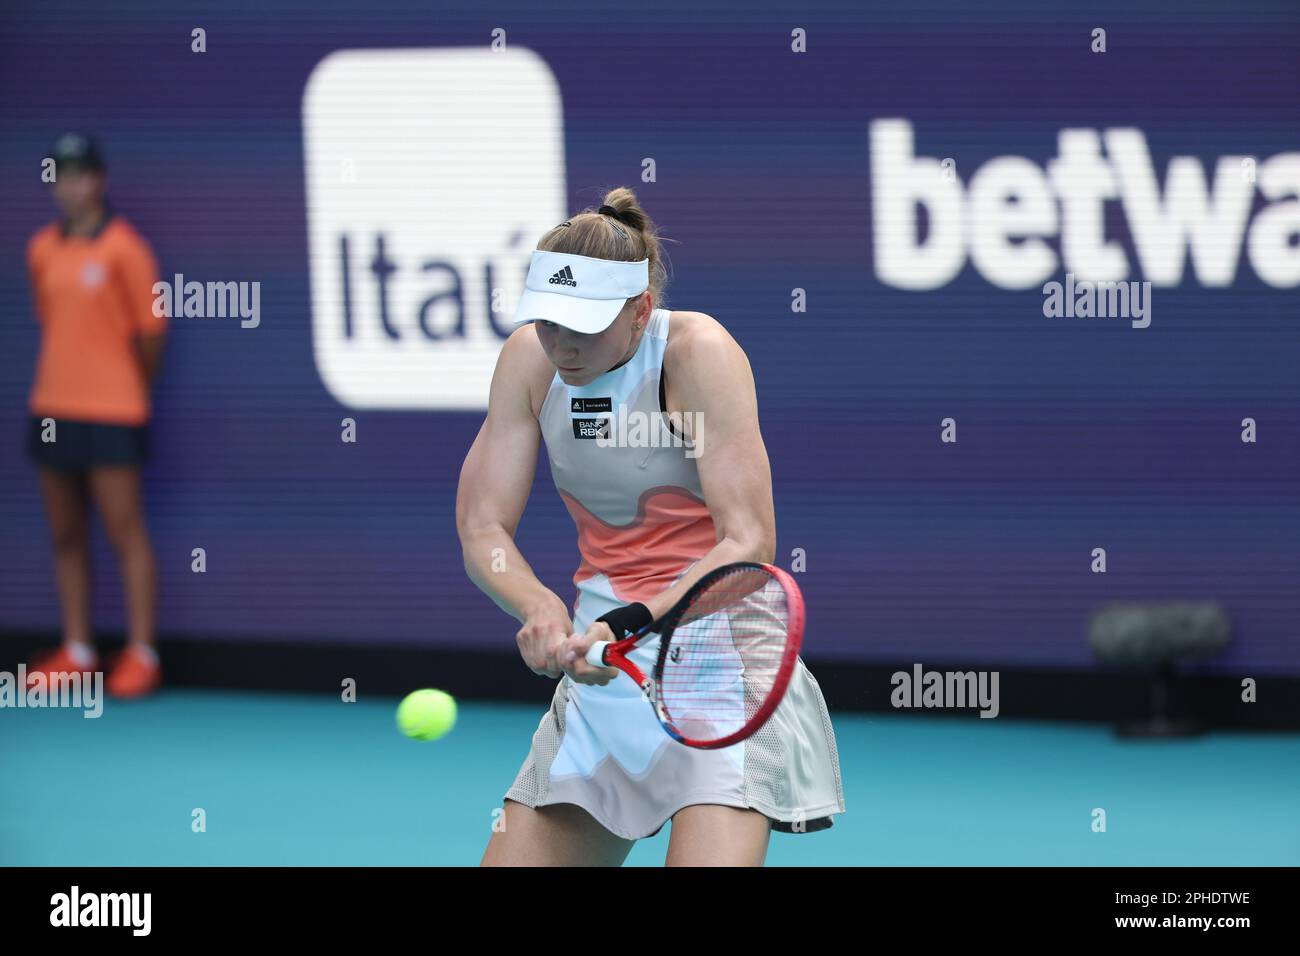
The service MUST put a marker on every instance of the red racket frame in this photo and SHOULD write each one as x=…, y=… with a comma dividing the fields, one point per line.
x=615, y=652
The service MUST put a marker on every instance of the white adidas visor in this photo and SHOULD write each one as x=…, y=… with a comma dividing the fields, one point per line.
x=578, y=292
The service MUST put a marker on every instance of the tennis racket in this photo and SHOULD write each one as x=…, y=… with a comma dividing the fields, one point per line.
x=726, y=653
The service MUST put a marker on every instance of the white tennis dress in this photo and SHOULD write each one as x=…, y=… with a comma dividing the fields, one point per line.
x=642, y=522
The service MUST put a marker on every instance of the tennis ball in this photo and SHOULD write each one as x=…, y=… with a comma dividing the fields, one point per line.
x=426, y=714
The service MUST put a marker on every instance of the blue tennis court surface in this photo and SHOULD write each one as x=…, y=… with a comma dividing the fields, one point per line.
x=303, y=780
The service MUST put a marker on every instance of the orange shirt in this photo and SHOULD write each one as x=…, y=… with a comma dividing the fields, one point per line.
x=93, y=295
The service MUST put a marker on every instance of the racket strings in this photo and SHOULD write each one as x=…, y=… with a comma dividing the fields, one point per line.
x=725, y=655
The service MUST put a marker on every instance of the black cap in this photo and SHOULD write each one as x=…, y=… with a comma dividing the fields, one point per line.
x=77, y=149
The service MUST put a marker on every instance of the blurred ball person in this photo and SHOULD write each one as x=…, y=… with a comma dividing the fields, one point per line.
x=92, y=278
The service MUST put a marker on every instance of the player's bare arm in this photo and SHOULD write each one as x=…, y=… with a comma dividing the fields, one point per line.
x=490, y=498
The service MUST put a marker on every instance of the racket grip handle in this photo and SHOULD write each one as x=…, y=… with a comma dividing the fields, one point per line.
x=596, y=654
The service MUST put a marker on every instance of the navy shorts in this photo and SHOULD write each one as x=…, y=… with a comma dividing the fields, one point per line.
x=80, y=446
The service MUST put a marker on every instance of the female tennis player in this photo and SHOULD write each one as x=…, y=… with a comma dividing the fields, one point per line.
x=92, y=280
x=675, y=483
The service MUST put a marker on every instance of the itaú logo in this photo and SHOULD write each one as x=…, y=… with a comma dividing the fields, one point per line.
x=1002, y=215
x=422, y=215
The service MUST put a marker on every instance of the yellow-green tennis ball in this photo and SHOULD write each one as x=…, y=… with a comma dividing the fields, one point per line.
x=426, y=714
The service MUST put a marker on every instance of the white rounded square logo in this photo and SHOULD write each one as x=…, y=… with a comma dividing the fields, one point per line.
x=430, y=175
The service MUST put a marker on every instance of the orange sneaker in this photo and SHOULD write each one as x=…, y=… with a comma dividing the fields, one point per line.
x=58, y=662
x=135, y=673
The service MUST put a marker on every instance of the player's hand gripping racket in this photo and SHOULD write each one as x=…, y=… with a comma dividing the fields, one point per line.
x=726, y=653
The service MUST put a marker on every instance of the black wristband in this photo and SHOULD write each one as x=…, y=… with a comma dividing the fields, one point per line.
x=627, y=619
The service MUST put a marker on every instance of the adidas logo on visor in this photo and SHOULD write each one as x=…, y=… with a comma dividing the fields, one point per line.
x=564, y=277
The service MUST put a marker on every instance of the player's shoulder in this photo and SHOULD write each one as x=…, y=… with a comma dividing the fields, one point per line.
x=522, y=364
x=699, y=338
x=523, y=350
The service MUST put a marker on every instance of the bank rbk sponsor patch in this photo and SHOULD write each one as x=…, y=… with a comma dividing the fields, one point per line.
x=591, y=428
